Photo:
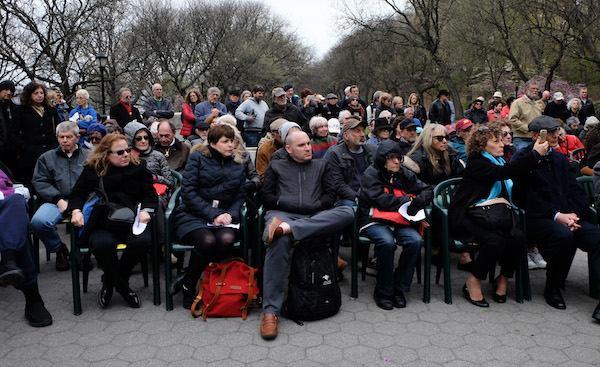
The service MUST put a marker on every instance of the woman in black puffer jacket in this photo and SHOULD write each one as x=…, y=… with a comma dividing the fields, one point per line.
x=212, y=192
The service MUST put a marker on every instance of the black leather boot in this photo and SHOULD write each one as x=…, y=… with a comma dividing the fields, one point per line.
x=35, y=311
x=10, y=273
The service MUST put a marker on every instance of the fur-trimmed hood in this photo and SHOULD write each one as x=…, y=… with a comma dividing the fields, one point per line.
x=210, y=152
x=411, y=165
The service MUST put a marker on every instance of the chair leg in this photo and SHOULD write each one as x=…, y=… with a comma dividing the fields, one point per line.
x=447, y=281
x=427, y=275
x=418, y=268
x=156, y=252
x=593, y=293
x=144, y=264
x=354, y=267
x=76, y=291
x=168, y=277
x=86, y=274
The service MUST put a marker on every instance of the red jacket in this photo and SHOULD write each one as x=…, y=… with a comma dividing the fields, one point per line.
x=570, y=144
x=188, y=120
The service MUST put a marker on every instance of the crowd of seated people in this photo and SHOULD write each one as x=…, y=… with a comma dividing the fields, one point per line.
x=326, y=152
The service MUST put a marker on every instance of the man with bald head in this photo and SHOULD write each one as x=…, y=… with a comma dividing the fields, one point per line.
x=157, y=106
x=298, y=194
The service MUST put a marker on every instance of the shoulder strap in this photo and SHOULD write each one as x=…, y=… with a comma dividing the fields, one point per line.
x=217, y=292
x=196, y=314
x=250, y=294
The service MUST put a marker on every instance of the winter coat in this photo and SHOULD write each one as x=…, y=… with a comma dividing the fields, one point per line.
x=166, y=109
x=291, y=113
x=478, y=178
x=119, y=113
x=342, y=166
x=156, y=162
x=189, y=121
x=301, y=188
x=439, y=112
x=204, y=110
x=32, y=135
x=212, y=185
x=56, y=173
x=376, y=178
x=419, y=163
x=549, y=189
x=477, y=116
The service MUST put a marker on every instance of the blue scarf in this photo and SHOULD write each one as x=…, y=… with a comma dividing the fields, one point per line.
x=497, y=187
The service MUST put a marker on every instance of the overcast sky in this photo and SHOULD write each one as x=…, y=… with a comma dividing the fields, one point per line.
x=319, y=23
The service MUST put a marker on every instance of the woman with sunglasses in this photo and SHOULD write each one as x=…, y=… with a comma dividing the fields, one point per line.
x=126, y=182
x=487, y=187
x=507, y=137
x=434, y=161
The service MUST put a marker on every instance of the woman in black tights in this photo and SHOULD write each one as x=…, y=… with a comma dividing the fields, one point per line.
x=212, y=193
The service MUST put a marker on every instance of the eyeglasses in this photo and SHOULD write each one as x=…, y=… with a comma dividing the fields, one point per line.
x=441, y=138
x=506, y=133
x=121, y=152
x=142, y=137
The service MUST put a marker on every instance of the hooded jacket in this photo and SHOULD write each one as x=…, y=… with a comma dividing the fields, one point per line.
x=212, y=185
x=155, y=161
x=376, y=178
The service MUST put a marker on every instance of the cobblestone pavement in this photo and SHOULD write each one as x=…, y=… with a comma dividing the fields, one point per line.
x=528, y=334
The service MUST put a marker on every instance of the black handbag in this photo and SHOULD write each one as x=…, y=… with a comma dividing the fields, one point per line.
x=499, y=216
x=119, y=217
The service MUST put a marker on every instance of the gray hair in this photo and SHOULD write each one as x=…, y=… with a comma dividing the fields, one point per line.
x=571, y=120
x=316, y=122
x=530, y=82
x=385, y=114
x=83, y=92
x=124, y=89
x=376, y=95
x=409, y=109
x=343, y=114
x=227, y=119
x=212, y=90
x=571, y=102
x=347, y=90
x=66, y=126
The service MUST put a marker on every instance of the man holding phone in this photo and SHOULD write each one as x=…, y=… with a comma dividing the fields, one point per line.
x=556, y=207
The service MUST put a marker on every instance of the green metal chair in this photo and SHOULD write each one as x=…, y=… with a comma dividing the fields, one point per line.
x=79, y=252
x=442, y=198
x=577, y=156
x=172, y=246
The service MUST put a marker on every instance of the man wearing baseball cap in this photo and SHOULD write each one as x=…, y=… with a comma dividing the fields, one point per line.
x=557, y=107
x=349, y=159
x=283, y=109
x=252, y=113
x=463, y=130
x=556, y=206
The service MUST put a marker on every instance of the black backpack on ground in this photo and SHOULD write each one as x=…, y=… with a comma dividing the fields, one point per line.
x=314, y=292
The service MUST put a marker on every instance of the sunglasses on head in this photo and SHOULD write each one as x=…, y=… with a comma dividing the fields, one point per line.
x=440, y=138
x=121, y=152
x=144, y=137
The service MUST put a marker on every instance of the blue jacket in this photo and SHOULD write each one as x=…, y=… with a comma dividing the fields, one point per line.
x=203, y=110
x=459, y=145
x=208, y=176
x=549, y=189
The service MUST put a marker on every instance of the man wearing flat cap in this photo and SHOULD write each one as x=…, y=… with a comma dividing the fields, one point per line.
x=556, y=206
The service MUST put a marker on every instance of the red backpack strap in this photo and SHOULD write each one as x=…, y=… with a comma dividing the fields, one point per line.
x=250, y=294
x=198, y=299
x=217, y=292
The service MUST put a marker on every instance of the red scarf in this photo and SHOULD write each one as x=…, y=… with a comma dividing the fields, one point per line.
x=127, y=107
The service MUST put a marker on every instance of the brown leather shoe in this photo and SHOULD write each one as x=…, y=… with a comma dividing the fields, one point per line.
x=62, y=258
x=274, y=230
x=268, y=327
x=341, y=264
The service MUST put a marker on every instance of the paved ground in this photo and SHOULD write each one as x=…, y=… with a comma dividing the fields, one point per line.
x=530, y=334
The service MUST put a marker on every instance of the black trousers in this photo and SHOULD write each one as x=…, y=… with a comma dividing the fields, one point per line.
x=505, y=247
x=558, y=245
x=103, y=244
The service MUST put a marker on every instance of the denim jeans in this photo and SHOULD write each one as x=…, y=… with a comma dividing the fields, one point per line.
x=388, y=280
x=521, y=143
x=43, y=225
x=251, y=138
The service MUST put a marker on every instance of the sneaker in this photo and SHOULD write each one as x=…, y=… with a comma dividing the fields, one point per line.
x=537, y=258
x=530, y=263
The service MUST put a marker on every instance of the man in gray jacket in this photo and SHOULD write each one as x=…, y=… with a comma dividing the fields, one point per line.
x=298, y=193
x=157, y=106
x=55, y=174
x=252, y=112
